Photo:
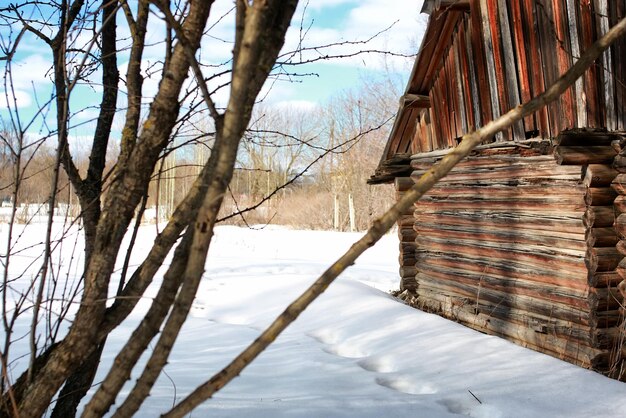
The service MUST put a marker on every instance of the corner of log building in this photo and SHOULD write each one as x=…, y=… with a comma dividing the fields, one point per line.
x=526, y=238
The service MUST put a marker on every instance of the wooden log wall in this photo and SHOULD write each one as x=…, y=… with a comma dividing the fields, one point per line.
x=514, y=244
x=407, y=236
x=502, y=53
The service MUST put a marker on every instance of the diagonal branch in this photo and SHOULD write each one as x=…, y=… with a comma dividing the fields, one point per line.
x=382, y=225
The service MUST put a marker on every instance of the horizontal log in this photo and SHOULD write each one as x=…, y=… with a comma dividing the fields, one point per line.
x=573, y=283
x=561, y=222
x=507, y=283
x=503, y=235
x=602, y=259
x=547, y=204
x=601, y=237
x=573, y=155
x=598, y=175
x=509, y=173
x=531, y=255
x=473, y=162
x=585, y=138
x=500, y=191
x=599, y=216
x=600, y=196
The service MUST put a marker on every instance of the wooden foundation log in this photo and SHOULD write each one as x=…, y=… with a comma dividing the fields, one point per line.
x=566, y=155
x=582, y=355
x=599, y=216
x=598, y=175
x=619, y=184
x=601, y=237
x=600, y=196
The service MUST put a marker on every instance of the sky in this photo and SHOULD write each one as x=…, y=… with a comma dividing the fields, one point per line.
x=318, y=23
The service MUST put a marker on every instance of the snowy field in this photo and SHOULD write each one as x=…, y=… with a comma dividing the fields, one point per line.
x=356, y=352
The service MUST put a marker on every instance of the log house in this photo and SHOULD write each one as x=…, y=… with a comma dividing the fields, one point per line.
x=526, y=238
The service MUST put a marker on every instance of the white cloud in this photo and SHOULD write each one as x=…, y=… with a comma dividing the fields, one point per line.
x=22, y=99
x=400, y=20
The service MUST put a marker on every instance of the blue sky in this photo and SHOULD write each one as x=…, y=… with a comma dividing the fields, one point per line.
x=325, y=21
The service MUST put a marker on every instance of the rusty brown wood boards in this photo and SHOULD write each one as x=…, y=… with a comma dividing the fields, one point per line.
x=498, y=54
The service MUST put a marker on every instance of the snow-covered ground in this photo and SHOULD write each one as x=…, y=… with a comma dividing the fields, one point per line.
x=357, y=352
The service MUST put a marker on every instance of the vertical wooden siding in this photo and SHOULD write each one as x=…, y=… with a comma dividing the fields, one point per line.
x=504, y=52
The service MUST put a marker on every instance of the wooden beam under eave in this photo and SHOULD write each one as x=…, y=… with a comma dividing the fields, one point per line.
x=415, y=101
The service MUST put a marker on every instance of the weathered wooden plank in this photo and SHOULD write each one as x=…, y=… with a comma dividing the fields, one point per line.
x=584, y=155
x=578, y=89
x=472, y=95
x=594, y=115
x=531, y=255
x=461, y=78
x=602, y=16
x=564, y=60
x=520, y=45
x=496, y=39
x=510, y=70
x=536, y=63
x=481, y=71
x=490, y=64
x=545, y=26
